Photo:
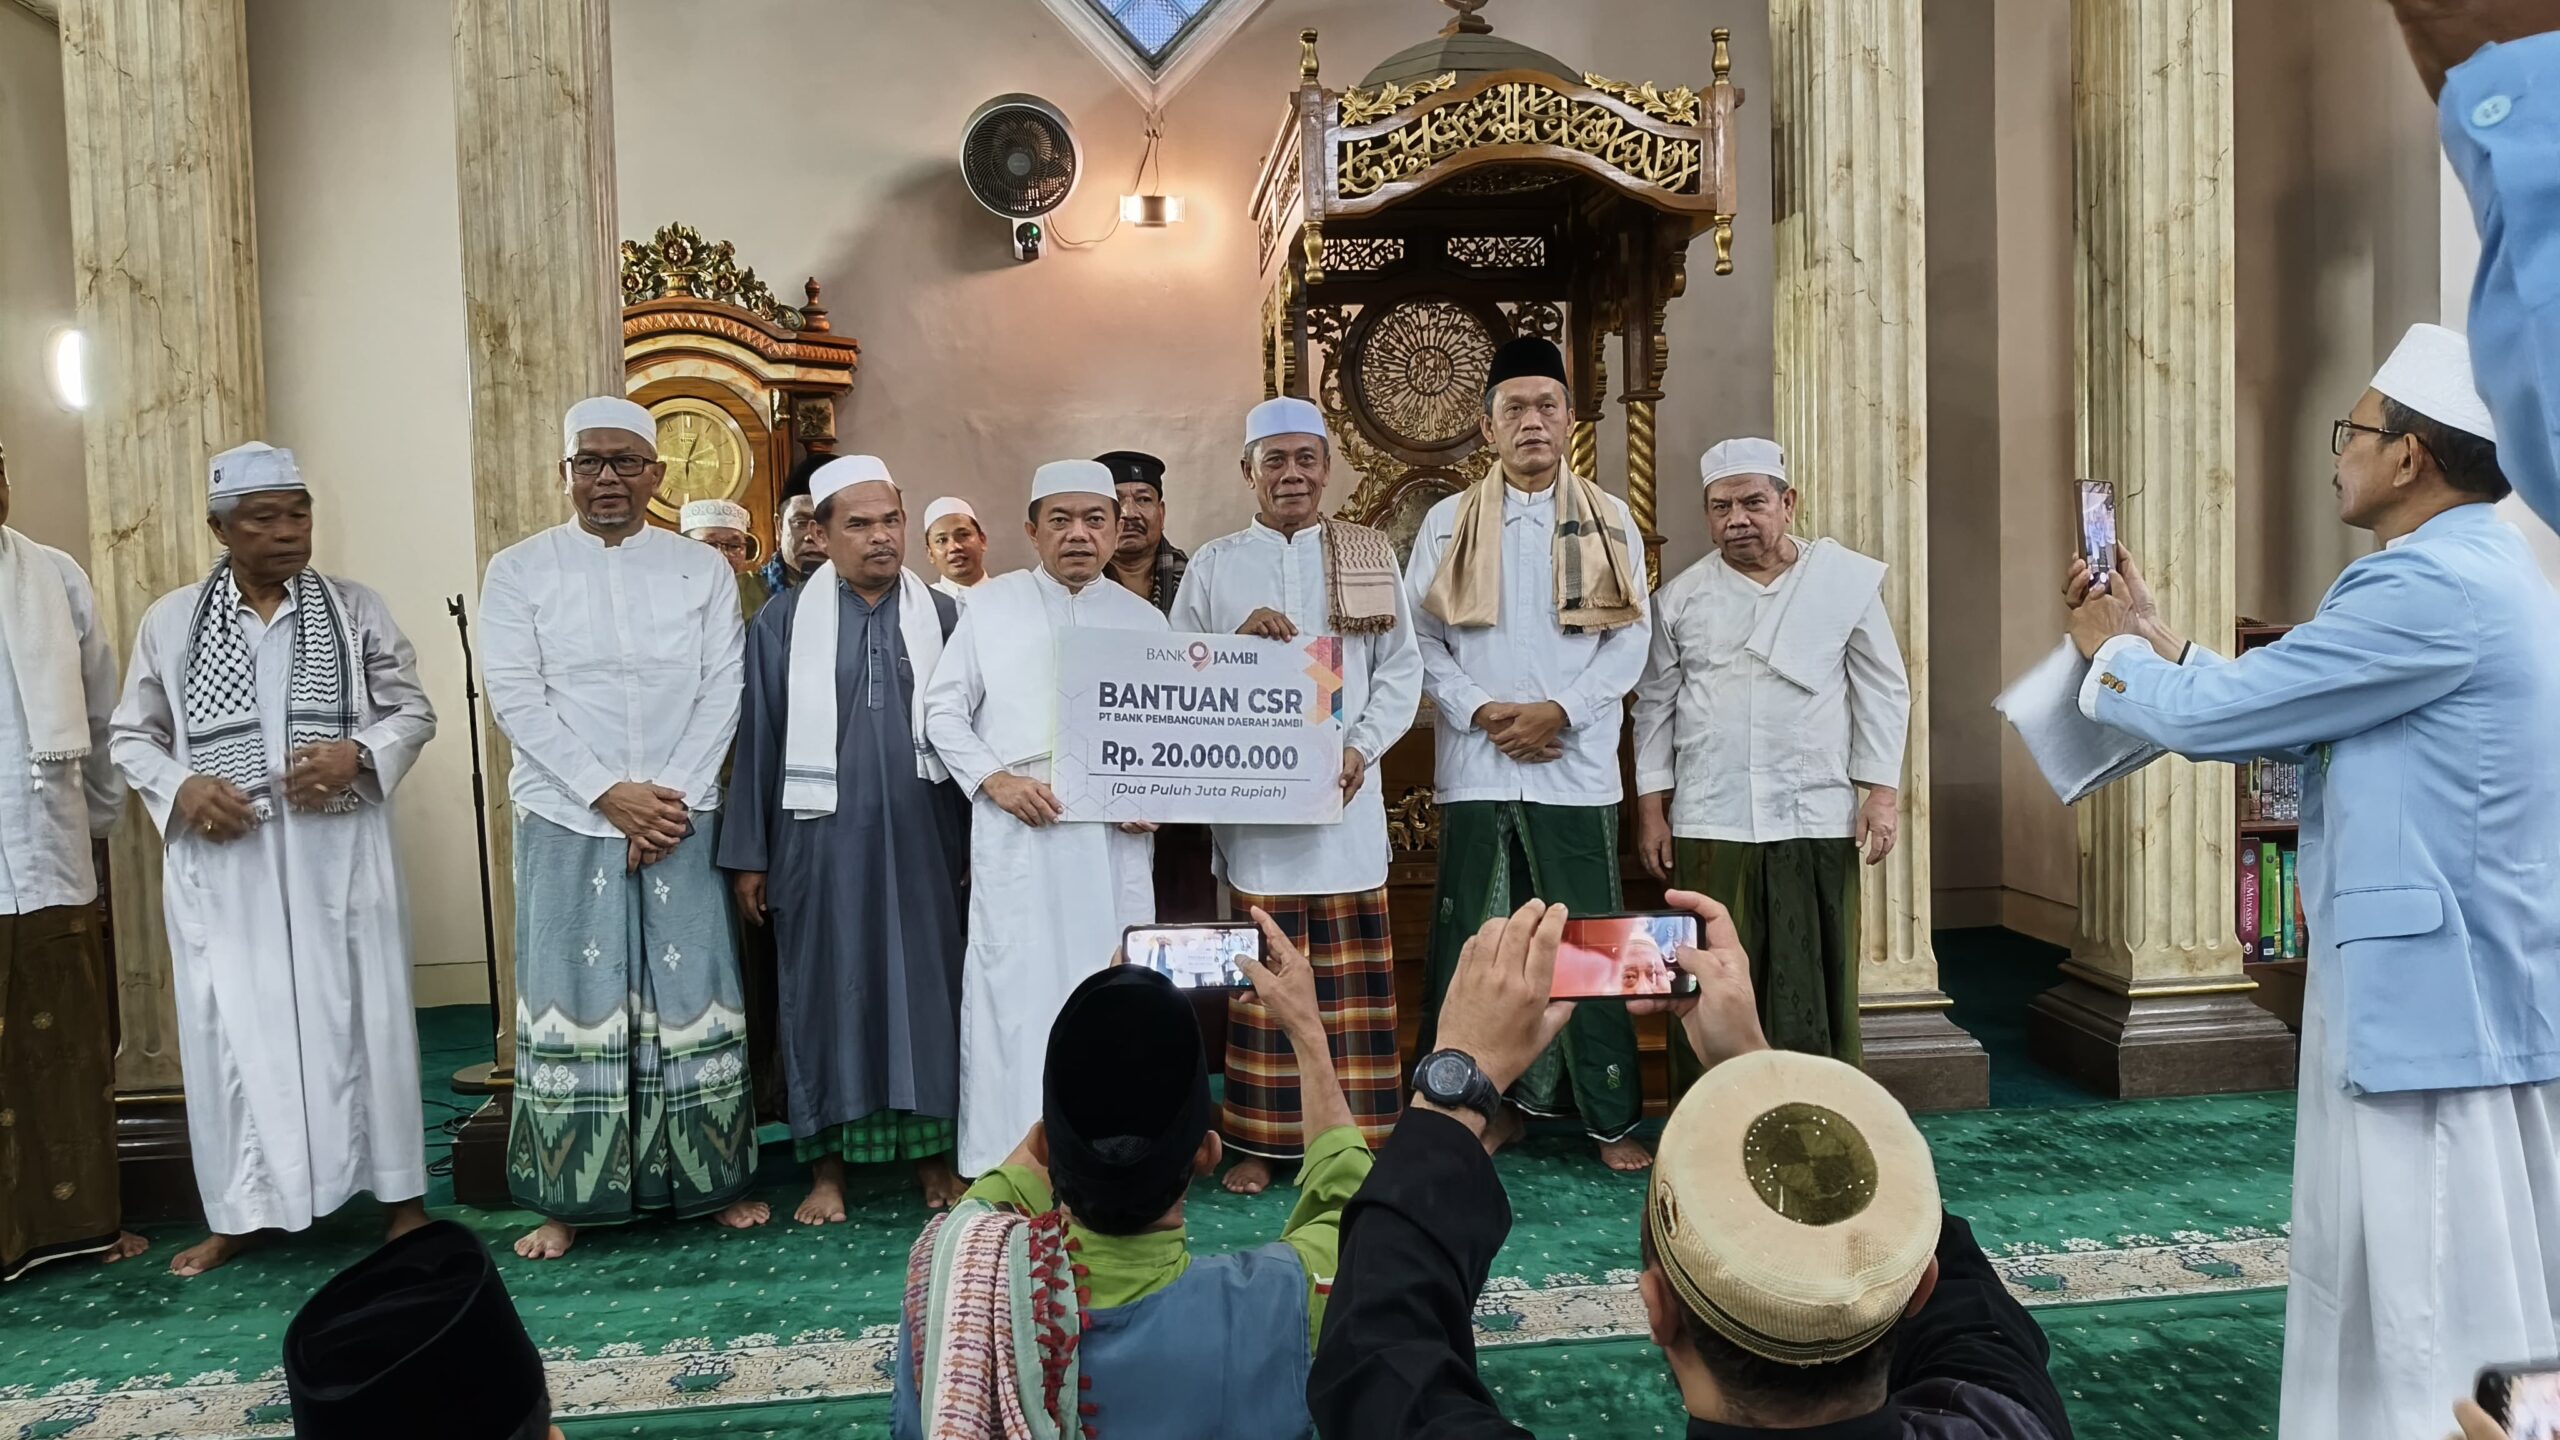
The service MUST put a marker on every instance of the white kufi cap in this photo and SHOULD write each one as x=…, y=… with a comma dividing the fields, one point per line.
x=1743, y=455
x=605, y=412
x=252, y=468
x=1073, y=477
x=1287, y=415
x=950, y=505
x=845, y=471
x=700, y=515
x=2430, y=373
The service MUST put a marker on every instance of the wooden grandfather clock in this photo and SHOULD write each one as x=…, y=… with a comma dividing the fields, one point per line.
x=735, y=378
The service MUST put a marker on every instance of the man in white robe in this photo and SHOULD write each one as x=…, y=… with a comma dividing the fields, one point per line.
x=957, y=545
x=2419, y=702
x=1047, y=900
x=269, y=713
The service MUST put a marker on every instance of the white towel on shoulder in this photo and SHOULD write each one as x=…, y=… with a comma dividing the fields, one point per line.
x=44, y=651
x=809, y=725
x=1801, y=637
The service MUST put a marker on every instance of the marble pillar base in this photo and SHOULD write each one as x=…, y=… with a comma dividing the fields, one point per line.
x=2137, y=1046
x=480, y=1154
x=155, y=1171
x=1923, y=1057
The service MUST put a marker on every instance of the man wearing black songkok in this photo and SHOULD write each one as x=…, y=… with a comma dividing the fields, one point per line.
x=1125, y=1128
x=418, y=1339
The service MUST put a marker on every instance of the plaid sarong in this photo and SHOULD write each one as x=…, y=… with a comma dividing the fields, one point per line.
x=1345, y=938
x=880, y=1138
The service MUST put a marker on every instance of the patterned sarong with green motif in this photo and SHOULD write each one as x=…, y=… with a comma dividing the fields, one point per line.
x=881, y=1137
x=1495, y=856
x=1795, y=905
x=631, y=1056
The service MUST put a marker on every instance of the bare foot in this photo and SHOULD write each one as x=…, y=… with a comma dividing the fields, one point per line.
x=212, y=1252
x=1506, y=1126
x=548, y=1242
x=126, y=1247
x=402, y=1216
x=825, y=1205
x=744, y=1215
x=942, y=1185
x=1625, y=1156
x=1250, y=1176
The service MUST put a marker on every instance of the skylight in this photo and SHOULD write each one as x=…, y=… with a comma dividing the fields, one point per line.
x=1153, y=29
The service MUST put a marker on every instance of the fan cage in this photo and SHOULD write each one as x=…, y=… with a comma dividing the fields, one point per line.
x=1020, y=161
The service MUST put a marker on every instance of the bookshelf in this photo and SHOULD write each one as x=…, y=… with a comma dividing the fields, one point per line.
x=2274, y=944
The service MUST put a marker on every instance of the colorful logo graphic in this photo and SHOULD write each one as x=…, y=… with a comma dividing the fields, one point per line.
x=1324, y=667
x=1199, y=653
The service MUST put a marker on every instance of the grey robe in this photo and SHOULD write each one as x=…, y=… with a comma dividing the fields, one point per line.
x=864, y=903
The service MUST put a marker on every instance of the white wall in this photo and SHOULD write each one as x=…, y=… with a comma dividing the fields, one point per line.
x=48, y=500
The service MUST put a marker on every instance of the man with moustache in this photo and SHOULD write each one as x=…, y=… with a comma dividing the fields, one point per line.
x=844, y=834
x=611, y=654
x=1047, y=899
x=1151, y=567
x=957, y=545
x=798, y=550
x=1774, y=695
x=269, y=714
x=1293, y=572
x=1528, y=596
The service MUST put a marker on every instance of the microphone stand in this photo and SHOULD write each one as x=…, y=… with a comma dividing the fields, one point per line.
x=487, y=1076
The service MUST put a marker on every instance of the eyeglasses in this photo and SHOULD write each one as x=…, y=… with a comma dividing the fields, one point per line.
x=587, y=466
x=2341, y=431
x=739, y=548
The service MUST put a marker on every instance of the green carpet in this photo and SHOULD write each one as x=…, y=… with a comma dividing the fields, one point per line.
x=2075, y=1199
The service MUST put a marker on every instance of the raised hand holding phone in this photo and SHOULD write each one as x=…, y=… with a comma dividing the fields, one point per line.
x=1723, y=1019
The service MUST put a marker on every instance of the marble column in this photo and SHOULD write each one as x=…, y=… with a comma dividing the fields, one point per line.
x=1852, y=406
x=156, y=109
x=2153, y=1000
x=533, y=126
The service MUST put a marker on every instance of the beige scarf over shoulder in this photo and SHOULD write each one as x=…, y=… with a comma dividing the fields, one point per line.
x=1595, y=584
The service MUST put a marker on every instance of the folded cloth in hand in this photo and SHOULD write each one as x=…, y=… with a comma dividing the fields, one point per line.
x=2078, y=756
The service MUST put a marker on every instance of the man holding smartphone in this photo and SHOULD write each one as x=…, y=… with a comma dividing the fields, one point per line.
x=2418, y=700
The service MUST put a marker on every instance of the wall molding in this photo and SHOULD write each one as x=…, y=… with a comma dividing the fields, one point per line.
x=44, y=10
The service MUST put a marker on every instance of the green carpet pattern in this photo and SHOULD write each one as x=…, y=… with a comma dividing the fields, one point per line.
x=2136, y=1229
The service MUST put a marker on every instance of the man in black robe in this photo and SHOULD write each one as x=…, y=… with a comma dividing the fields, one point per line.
x=853, y=851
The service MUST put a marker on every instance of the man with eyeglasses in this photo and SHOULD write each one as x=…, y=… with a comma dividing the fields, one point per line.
x=612, y=653
x=2418, y=700
x=722, y=525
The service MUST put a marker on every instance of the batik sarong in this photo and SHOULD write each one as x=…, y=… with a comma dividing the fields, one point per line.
x=1495, y=856
x=632, y=1090
x=1345, y=940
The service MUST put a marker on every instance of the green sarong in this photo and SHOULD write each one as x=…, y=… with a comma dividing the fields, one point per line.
x=881, y=1137
x=1795, y=906
x=631, y=1055
x=1495, y=856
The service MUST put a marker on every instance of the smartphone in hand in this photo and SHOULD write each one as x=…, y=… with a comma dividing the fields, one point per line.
x=1195, y=957
x=2098, y=527
x=1625, y=957
x=2523, y=1398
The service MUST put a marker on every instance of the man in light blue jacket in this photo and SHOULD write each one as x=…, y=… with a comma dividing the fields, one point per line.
x=2423, y=702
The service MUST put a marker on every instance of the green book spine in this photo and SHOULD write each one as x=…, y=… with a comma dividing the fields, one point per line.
x=2292, y=927
x=2270, y=896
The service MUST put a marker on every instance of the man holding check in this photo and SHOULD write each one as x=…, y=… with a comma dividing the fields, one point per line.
x=1293, y=572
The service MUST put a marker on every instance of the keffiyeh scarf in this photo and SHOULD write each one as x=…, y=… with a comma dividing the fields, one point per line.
x=1595, y=579
x=1360, y=578
x=220, y=704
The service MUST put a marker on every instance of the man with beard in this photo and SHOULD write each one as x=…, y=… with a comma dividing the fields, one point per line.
x=1047, y=899
x=612, y=663
x=1528, y=600
x=844, y=834
x=269, y=713
x=1774, y=694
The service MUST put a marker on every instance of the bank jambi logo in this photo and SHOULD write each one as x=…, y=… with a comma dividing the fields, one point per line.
x=1324, y=667
x=1198, y=654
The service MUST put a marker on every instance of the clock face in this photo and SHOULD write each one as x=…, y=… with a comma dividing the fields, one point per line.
x=705, y=453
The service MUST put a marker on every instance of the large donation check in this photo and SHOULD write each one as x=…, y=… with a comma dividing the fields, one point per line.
x=1184, y=729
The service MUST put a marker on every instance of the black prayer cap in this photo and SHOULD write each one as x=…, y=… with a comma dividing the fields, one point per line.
x=418, y=1339
x=1529, y=355
x=1125, y=1097
x=1134, y=467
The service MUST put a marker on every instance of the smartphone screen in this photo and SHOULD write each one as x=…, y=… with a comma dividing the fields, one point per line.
x=1195, y=957
x=1618, y=957
x=2098, y=525
x=2523, y=1398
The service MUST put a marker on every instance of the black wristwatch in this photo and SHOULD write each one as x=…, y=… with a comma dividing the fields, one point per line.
x=1451, y=1078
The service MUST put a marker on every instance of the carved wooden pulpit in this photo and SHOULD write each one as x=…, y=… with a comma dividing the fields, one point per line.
x=1467, y=191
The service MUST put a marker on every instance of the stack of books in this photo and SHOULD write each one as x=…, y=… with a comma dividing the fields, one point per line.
x=2270, y=903
x=2270, y=790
